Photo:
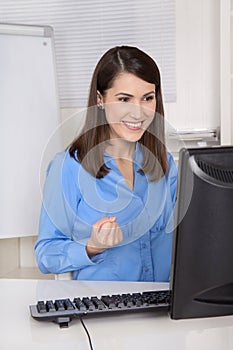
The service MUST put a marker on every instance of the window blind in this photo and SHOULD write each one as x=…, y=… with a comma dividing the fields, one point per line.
x=85, y=29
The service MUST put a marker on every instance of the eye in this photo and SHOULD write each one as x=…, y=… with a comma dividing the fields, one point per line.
x=123, y=99
x=149, y=98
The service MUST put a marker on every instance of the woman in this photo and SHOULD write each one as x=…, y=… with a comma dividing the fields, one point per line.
x=108, y=200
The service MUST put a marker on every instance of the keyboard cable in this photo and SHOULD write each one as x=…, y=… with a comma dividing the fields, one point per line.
x=87, y=333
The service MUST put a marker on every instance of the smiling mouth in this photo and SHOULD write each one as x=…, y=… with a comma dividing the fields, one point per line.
x=133, y=126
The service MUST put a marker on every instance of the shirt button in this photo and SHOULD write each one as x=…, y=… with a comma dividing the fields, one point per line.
x=146, y=269
x=144, y=245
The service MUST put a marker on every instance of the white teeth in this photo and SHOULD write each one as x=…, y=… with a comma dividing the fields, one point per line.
x=134, y=125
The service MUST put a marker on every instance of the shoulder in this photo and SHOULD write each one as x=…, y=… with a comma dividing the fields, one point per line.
x=63, y=164
x=63, y=160
x=62, y=175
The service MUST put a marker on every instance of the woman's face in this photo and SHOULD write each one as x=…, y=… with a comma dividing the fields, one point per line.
x=129, y=106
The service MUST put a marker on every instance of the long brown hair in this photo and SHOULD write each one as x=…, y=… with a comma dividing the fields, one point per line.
x=88, y=148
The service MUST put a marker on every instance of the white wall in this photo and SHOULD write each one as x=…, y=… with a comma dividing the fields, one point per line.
x=198, y=59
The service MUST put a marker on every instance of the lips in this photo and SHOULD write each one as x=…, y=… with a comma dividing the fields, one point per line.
x=133, y=126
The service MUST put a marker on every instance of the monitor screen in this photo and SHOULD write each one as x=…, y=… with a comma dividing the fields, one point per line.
x=202, y=262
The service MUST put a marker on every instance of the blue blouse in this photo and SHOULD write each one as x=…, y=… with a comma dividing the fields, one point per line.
x=74, y=200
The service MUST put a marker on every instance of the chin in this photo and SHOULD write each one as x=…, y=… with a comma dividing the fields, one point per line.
x=134, y=138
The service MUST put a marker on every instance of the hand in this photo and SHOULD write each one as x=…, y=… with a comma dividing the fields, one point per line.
x=105, y=234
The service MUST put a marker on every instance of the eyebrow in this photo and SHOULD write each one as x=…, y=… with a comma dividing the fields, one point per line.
x=129, y=95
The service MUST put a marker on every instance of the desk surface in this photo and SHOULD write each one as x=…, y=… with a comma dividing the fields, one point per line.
x=147, y=331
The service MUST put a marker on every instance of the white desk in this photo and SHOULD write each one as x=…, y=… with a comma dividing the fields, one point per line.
x=147, y=331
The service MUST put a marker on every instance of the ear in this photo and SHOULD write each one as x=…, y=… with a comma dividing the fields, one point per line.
x=99, y=98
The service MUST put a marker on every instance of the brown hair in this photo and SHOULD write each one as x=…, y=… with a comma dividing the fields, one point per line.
x=88, y=147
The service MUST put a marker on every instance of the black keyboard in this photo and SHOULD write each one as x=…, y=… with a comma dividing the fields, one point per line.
x=63, y=311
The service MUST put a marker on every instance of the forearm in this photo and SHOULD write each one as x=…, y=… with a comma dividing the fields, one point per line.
x=61, y=255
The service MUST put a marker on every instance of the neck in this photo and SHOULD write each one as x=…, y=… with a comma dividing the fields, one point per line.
x=119, y=148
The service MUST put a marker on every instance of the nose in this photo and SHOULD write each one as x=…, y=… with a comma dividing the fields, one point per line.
x=135, y=110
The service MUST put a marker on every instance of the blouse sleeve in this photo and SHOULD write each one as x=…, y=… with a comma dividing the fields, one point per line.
x=55, y=250
x=173, y=173
x=172, y=191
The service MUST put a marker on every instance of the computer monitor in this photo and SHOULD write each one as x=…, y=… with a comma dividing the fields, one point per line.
x=202, y=262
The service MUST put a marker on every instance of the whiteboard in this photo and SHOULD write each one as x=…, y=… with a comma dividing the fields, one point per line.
x=29, y=117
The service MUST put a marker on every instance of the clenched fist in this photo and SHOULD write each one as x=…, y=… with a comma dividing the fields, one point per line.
x=105, y=234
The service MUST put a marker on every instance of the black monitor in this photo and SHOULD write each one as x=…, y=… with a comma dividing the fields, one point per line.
x=202, y=262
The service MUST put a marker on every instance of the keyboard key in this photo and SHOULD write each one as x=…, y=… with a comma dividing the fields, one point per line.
x=98, y=303
x=89, y=304
x=50, y=306
x=41, y=307
x=59, y=305
x=79, y=304
x=110, y=302
x=68, y=304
